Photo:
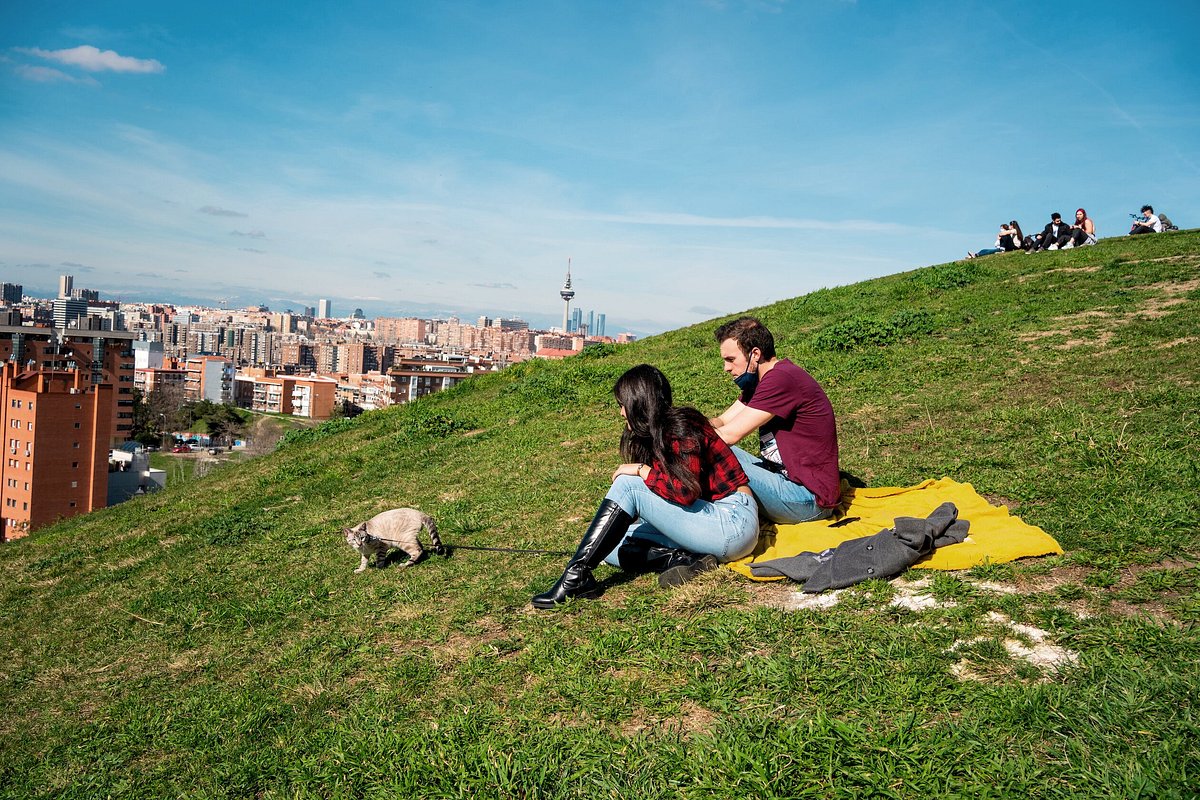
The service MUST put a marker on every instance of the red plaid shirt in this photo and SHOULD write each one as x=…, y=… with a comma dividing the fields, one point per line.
x=707, y=457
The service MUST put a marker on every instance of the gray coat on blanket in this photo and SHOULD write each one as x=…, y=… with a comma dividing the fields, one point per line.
x=883, y=555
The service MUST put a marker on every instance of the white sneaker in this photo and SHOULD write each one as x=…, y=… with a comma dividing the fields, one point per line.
x=1069, y=245
x=1053, y=246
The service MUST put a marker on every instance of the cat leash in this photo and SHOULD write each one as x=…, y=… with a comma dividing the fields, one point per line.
x=452, y=547
x=449, y=547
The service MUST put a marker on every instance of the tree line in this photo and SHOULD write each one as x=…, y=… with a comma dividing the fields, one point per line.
x=167, y=410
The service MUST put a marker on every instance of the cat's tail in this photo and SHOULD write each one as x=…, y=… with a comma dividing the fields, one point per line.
x=431, y=526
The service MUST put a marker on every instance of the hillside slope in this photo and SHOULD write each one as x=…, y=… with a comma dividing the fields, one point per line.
x=213, y=641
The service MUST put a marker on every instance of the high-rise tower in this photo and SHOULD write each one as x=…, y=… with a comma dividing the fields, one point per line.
x=566, y=294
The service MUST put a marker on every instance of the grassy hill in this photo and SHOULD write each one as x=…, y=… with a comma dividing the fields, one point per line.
x=212, y=641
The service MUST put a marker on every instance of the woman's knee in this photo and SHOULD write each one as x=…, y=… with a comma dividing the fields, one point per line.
x=624, y=491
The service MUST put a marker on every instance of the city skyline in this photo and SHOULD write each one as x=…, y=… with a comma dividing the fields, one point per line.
x=322, y=309
x=694, y=159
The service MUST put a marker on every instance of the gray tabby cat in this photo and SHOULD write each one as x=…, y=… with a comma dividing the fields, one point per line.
x=397, y=528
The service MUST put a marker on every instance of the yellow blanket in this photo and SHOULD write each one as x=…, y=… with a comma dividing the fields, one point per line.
x=995, y=535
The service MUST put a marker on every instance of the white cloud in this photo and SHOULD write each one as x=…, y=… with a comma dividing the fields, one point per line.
x=217, y=211
x=51, y=75
x=509, y=228
x=95, y=60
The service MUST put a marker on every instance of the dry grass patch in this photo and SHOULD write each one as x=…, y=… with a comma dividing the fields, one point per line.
x=458, y=646
x=691, y=720
x=999, y=500
x=1177, y=342
x=186, y=663
x=1103, y=324
x=710, y=591
x=770, y=594
x=132, y=561
x=1103, y=340
x=1035, y=275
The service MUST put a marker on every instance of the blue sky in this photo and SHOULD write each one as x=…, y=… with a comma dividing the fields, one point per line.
x=691, y=158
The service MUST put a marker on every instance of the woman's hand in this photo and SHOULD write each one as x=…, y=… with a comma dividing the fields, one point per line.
x=632, y=469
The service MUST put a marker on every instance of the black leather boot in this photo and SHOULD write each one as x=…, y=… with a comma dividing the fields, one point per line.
x=676, y=566
x=683, y=566
x=639, y=555
x=608, y=527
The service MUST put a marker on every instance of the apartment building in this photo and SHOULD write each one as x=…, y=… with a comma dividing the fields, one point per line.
x=298, y=355
x=148, y=381
x=261, y=390
x=104, y=357
x=369, y=391
x=314, y=398
x=400, y=329
x=57, y=428
x=417, y=377
x=209, y=378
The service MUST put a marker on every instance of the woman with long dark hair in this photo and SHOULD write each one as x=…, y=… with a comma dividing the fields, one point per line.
x=679, y=505
x=1008, y=239
x=1082, y=233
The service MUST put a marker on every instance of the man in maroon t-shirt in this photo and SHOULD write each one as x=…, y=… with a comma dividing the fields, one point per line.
x=796, y=477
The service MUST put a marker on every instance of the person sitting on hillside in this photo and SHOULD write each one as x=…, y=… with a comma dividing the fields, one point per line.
x=1149, y=223
x=1007, y=240
x=681, y=485
x=796, y=477
x=1083, y=232
x=1049, y=235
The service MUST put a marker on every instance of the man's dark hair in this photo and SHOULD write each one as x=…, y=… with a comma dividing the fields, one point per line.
x=749, y=333
x=1056, y=215
x=1148, y=208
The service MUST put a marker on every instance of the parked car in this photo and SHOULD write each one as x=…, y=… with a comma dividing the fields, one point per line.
x=181, y=448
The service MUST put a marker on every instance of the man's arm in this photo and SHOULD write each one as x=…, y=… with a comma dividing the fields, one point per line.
x=726, y=415
x=737, y=422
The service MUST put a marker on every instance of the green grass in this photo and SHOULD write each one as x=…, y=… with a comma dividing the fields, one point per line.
x=212, y=641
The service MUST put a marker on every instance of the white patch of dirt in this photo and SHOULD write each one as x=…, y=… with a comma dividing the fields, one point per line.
x=919, y=602
x=911, y=595
x=1021, y=641
x=997, y=588
x=1025, y=642
x=799, y=601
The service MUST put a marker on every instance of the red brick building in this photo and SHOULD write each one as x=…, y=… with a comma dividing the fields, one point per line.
x=102, y=356
x=57, y=428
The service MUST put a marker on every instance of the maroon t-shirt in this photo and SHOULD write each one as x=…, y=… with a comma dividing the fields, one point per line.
x=803, y=430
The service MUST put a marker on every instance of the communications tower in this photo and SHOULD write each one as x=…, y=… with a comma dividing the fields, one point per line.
x=566, y=294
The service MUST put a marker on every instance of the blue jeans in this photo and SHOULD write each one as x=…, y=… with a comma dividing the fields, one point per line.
x=726, y=528
x=782, y=500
